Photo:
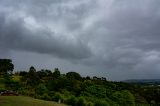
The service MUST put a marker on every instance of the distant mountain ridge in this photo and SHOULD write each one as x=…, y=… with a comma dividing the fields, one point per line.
x=142, y=81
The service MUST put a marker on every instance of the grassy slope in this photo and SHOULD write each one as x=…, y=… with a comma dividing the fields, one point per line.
x=25, y=101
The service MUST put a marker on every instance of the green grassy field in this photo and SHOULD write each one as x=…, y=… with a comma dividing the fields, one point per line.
x=25, y=101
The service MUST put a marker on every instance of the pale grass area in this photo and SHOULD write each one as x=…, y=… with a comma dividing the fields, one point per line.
x=25, y=101
x=16, y=77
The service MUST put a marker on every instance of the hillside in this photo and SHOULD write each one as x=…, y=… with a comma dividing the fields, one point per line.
x=72, y=89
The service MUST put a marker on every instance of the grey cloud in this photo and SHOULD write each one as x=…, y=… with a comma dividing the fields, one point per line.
x=125, y=35
x=15, y=36
x=120, y=38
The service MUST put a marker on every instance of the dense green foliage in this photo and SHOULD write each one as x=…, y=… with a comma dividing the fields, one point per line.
x=73, y=89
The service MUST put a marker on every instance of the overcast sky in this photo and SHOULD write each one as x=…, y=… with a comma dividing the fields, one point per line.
x=117, y=39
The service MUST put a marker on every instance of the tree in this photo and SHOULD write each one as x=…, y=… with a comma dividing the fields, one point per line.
x=73, y=75
x=33, y=78
x=6, y=66
x=56, y=73
x=23, y=73
x=88, y=78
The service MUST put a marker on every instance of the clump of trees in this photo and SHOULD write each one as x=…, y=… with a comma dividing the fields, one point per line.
x=73, y=89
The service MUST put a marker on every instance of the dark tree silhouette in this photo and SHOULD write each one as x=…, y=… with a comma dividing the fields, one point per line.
x=56, y=73
x=33, y=78
x=6, y=66
x=73, y=75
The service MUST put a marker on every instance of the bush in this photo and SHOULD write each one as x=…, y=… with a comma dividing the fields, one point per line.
x=41, y=89
x=101, y=103
x=57, y=97
x=71, y=101
x=46, y=97
x=31, y=93
x=95, y=90
x=81, y=102
x=90, y=104
x=124, y=98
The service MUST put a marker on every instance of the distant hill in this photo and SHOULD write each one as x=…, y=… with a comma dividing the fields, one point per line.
x=145, y=81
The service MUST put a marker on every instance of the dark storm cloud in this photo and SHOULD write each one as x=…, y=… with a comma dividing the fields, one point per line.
x=117, y=37
x=15, y=35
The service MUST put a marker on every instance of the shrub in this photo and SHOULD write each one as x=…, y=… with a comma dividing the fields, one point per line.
x=124, y=98
x=71, y=101
x=90, y=104
x=31, y=93
x=41, y=89
x=81, y=102
x=101, y=103
x=96, y=90
x=57, y=97
x=46, y=97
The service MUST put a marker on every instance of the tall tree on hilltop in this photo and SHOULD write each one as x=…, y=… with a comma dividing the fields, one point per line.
x=56, y=73
x=33, y=78
x=73, y=75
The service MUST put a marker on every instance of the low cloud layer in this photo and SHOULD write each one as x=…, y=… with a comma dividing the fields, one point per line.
x=115, y=39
